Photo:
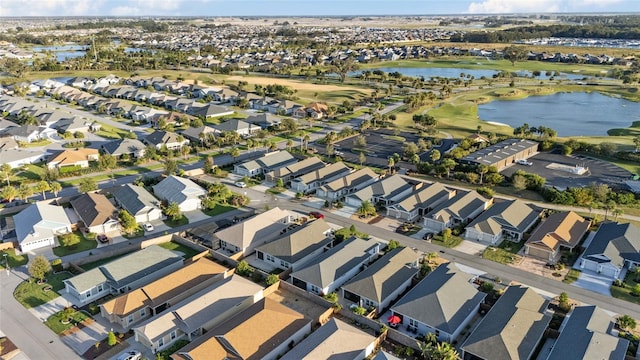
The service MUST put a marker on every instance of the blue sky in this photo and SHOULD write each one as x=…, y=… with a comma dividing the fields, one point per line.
x=303, y=7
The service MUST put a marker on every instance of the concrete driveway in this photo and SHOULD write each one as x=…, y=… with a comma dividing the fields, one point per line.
x=195, y=215
x=595, y=282
x=83, y=339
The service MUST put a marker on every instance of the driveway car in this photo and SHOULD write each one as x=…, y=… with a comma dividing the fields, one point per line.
x=148, y=227
x=240, y=184
x=130, y=355
x=103, y=238
x=317, y=215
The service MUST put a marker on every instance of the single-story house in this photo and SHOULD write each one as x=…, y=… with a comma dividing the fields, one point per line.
x=123, y=274
x=512, y=329
x=587, y=334
x=73, y=124
x=273, y=328
x=198, y=313
x=129, y=147
x=460, y=209
x=39, y=224
x=264, y=120
x=334, y=340
x=289, y=172
x=18, y=157
x=327, y=272
x=349, y=184
x=443, y=303
x=384, y=280
x=184, y=192
x=506, y=220
x=24, y=133
x=614, y=247
x=311, y=181
x=161, y=139
x=97, y=213
x=138, y=202
x=75, y=158
x=198, y=134
x=264, y=164
x=296, y=247
x=420, y=202
x=240, y=127
x=209, y=111
x=245, y=236
x=382, y=192
x=562, y=230
x=152, y=299
x=503, y=153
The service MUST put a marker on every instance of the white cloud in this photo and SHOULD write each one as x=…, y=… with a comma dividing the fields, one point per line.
x=50, y=7
x=513, y=6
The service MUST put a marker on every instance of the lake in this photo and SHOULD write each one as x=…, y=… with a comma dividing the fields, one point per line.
x=455, y=73
x=63, y=52
x=570, y=114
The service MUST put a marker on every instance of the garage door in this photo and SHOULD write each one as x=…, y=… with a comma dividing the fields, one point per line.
x=609, y=271
x=590, y=265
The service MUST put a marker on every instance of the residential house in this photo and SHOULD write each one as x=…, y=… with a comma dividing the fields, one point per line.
x=382, y=282
x=613, y=247
x=132, y=148
x=381, y=192
x=503, y=153
x=172, y=118
x=289, y=172
x=420, y=202
x=71, y=125
x=150, y=300
x=562, y=230
x=506, y=220
x=458, y=210
x=198, y=313
x=317, y=110
x=512, y=329
x=225, y=95
x=24, y=133
x=334, y=340
x=311, y=181
x=97, y=213
x=78, y=158
x=209, y=111
x=138, y=202
x=349, y=184
x=296, y=247
x=245, y=236
x=443, y=303
x=123, y=274
x=383, y=355
x=588, y=334
x=273, y=328
x=198, y=134
x=264, y=164
x=241, y=127
x=39, y=224
x=327, y=272
x=184, y=192
x=264, y=120
x=162, y=139
x=19, y=157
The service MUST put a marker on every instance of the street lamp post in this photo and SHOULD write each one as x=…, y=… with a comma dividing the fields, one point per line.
x=6, y=262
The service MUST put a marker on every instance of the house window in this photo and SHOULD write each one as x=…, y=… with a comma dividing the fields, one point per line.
x=315, y=289
x=143, y=313
x=100, y=288
x=284, y=264
x=173, y=335
x=413, y=322
x=161, y=342
x=88, y=294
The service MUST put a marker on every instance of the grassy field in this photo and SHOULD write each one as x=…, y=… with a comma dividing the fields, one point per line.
x=83, y=245
x=30, y=294
x=452, y=242
x=13, y=259
x=173, y=223
x=185, y=250
x=218, y=209
x=624, y=292
x=499, y=255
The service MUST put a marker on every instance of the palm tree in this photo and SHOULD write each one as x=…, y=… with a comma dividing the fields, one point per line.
x=55, y=188
x=306, y=140
x=5, y=170
x=9, y=193
x=391, y=163
x=367, y=209
x=289, y=144
x=25, y=191
x=43, y=186
x=482, y=169
x=617, y=212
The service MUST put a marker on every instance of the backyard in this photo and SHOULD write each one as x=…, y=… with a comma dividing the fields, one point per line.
x=173, y=246
x=31, y=294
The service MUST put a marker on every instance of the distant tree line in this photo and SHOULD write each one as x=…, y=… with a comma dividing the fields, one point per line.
x=544, y=31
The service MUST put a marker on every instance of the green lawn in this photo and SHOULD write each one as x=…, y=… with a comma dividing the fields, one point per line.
x=218, y=209
x=30, y=294
x=572, y=276
x=174, y=223
x=30, y=172
x=139, y=232
x=83, y=245
x=499, y=255
x=452, y=242
x=14, y=260
x=38, y=143
x=624, y=292
x=187, y=251
x=54, y=322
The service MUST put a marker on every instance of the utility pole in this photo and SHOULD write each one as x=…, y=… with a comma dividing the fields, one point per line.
x=95, y=52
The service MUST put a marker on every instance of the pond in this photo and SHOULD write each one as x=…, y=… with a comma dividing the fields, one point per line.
x=63, y=52
x=428, y=72
x=570, y=114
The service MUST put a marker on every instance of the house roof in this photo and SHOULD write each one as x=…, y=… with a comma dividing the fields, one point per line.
x=194, y=133
x=300, y=168
x=563, y=228
x=178, y=189
x=165, y=288
x=135, y=199
x=461, y=206
x=514, y=215
x=443, y=299
x=329, y=342
x=298, y=243
x=269, y=161
x=202, y=307
x=425, y=197
x=388, y=187
x=39, y=221
x=211, y=111
x=385, y=275
x=160, y=137
x=500, y=151
x=256, y=230
x=125, y=270
x=587, y=335
x=264, y=119
x=269, y=323
x=22, y=130
x=353, y=179
x=70, y=157
x=93, y=209
x=383, y=355
x=512, y=328
x=11, y=155
x=123, y=146
x=327, y=172
x=70, y=124
x=330, y=265
x=618, y=242
x=235, y=125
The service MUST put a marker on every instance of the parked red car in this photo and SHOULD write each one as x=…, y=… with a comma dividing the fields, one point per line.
x=317, y=215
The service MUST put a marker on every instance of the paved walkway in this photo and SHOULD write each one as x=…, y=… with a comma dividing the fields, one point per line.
x=83, y=339
x=44, y=311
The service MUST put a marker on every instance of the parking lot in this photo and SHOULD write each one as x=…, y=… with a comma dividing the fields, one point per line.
x=547, y=164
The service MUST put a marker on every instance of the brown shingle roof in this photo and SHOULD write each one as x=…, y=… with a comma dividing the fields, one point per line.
x=93, y=209
x=565, y=228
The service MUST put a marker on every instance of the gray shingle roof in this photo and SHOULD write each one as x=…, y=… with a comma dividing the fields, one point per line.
x=39, y=221
x=388, y=187
x=513, y=215
x=123, y=146
x=443, y=299
x=178, y=189
x=135, y=199
x=298, y=243
x=617, y=242
x=461, y=206
x=425, y=197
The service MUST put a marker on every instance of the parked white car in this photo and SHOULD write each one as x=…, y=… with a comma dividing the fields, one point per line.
x=240, y=184
x=524, y=162
x=148, y=227
x=130, y=355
